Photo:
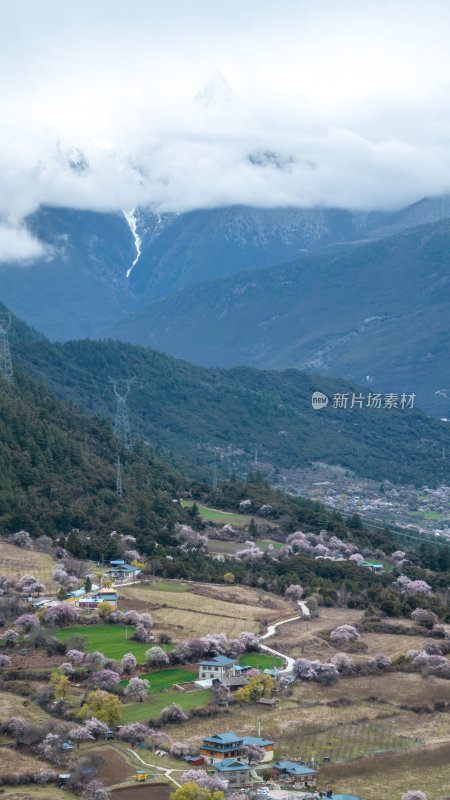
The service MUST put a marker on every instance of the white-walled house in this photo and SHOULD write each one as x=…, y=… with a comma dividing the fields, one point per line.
x=216, y=667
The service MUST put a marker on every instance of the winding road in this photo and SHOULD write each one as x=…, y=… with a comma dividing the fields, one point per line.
x=272, y=629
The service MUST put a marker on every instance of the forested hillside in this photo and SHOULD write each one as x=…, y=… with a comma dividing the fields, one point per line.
x=58, y=472
x=193, y=416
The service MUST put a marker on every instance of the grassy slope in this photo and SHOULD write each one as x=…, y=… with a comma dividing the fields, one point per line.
x=153, y=706
x=260, y=661
x=166, y=678
x=198, y=611
x=110, y=640
x=15, y=562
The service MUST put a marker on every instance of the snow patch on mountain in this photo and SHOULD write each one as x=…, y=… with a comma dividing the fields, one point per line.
x=130, y=217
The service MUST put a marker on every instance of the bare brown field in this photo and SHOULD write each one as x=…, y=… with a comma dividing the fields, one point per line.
x=388, y=776
x=205, y=608
x=391, y=644
x=394, y=688
x=153, y=791
x=301, y=638
x=431, y=728
x=16, y=705
x=114, y=767
x=244, y=720
x=15, y=562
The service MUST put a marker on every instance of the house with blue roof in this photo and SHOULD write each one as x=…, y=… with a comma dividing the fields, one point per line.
x=234, y=771
x=344, y=797
x=295, y=774
x=119, y=572
x=222, y=745
x=265, y=744
x=216, y=667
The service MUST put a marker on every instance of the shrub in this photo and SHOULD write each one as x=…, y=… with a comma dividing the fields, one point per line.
x=380, y=661
x=294, y=592
x=344, y=633
x=173, y=713
x=342, y=662
x=138, y=687
x=156, y=657
x=26, y=623
x=140, y=634
x=424, y=617
x=128, y=663
x=60, y=615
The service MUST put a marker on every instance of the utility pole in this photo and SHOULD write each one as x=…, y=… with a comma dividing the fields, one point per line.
x=214, y=482
x=6, y=369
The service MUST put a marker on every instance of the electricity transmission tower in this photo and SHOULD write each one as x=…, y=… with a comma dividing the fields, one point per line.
x=119, y=477
x=122, y=430
x=6, y=370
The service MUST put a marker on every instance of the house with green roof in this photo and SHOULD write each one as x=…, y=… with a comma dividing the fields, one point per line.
x=221, y=746
x=234, y=771
x=297, y=775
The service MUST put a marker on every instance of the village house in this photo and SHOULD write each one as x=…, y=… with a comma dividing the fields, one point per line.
x=298, y=776
x=222, y=745
x=120, y=572
x=234, y=771
x=269, y=702
x=232, y=682
x=264, y=744
x=90, y=602
x=217, y=667
x=373, y=567
x=229, y=745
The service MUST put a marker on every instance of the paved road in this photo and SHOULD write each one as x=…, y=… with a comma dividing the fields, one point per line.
x=167, y=772
x=272, y=629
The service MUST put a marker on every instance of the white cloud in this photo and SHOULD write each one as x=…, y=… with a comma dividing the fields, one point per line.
x=340, y=104
x=17, y=244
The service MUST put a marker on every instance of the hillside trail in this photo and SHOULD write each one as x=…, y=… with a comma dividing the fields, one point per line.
x=271, y=631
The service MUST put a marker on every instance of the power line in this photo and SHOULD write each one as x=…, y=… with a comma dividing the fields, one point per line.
x=6, y=369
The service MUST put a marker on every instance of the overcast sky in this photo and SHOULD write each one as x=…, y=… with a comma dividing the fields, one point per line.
x=109, y=104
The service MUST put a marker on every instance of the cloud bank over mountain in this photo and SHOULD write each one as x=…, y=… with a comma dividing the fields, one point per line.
x=109, y=106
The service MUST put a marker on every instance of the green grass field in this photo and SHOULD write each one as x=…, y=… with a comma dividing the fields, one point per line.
x=219, y=546
x=260, y=661
x=110, y=640
x=212, y=515
x=224, y=517
x=152, y=707
x=165, y=678
x=165, y=586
